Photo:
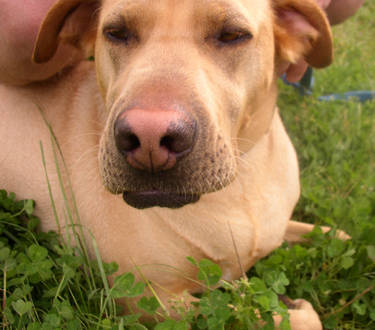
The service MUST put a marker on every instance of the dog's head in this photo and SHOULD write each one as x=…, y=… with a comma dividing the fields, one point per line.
x=188, y=85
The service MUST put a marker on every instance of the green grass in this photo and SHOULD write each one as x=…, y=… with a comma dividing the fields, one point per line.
x=45, y=284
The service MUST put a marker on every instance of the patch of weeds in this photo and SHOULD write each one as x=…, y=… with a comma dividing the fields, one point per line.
x=241, y=304
x=46, y=284
x=336, y=276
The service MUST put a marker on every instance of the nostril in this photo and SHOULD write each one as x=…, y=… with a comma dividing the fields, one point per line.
x=175, y=143
x=126, y=140
x=169, y=143
x=130, y=142
x=179, y=139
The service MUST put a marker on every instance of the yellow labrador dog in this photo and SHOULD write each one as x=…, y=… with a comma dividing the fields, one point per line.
x=171, y=138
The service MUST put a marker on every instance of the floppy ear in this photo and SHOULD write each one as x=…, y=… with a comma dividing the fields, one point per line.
x=302, y=30
x=68, y=21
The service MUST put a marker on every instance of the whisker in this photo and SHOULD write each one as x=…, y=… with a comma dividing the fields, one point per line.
x=92, y=151
x=236, y=139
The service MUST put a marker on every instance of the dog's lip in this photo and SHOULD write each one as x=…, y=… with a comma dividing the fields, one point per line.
x=151, y=198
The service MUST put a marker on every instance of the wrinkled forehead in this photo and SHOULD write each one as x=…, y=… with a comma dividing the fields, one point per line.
x=247, y=12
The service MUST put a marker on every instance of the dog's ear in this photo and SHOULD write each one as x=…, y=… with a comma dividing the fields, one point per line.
x=302, y=30
x=68, y=21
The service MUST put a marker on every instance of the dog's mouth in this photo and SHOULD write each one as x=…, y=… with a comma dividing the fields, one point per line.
x=146, y=199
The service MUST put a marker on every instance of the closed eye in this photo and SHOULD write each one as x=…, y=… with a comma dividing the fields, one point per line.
x=118, y=34
x=231, y=37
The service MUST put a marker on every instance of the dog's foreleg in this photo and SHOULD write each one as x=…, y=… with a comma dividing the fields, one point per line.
x=296, y=230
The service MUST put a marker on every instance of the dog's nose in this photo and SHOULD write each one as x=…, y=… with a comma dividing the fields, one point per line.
x=154, y=140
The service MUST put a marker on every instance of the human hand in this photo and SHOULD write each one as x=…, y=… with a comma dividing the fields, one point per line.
x=295, y=72
x=323, y=3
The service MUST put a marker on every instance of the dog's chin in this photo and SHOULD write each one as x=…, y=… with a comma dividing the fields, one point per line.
x=147, y=199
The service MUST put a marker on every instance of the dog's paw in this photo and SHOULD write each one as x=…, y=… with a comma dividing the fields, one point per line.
x=340, y=234
x=302, y=315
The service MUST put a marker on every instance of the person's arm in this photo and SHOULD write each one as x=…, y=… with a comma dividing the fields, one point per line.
x=19, y=25
x=340, y=10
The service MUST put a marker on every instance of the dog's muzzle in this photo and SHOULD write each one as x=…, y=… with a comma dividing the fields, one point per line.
x=164, y=157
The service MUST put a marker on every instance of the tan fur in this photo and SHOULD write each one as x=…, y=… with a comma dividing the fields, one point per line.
x=244, y=164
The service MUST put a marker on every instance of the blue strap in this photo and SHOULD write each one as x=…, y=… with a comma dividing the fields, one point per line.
x=305, y=85
x=361, y=96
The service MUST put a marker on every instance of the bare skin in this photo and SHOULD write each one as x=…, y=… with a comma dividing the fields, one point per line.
x=340, y=10
x=19, y=25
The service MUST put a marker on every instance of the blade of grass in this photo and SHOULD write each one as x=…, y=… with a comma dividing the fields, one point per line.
x=51, y=198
